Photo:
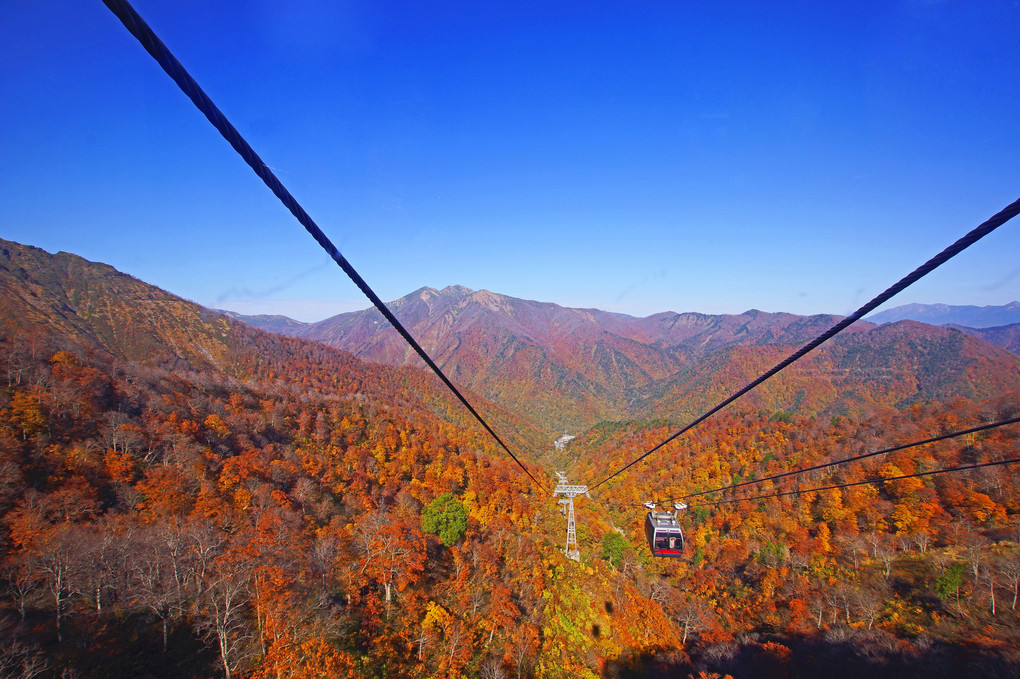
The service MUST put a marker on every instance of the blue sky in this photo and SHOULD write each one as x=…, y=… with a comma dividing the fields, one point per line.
x=635, y=157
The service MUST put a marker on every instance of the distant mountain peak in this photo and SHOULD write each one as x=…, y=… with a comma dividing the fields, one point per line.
x=426, y=293
x=422, y=294
x=456, y=290
x=485, y=296
x=946, y=314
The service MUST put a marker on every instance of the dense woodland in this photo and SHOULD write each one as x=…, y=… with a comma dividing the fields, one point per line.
x=225, y=502
x=175, y=523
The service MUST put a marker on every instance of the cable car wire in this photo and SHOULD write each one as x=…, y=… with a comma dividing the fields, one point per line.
x=845, y=460
x=155, y=47
x=947, y=470
x=956, y=248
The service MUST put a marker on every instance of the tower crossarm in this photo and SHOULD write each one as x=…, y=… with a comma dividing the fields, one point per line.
x=570, y=490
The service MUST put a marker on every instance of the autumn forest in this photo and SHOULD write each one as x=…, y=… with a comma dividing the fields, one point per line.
x=185, y=495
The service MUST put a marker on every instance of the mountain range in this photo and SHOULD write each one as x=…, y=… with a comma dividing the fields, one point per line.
x=137, y=426
x=1006, y=336
x=998, y=325
x=325, y=454
x=93, y=307
x=570, y=368
x=535, y=363
x=968, y=316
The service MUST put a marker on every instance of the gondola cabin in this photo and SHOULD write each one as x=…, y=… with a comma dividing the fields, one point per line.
x=665, y=537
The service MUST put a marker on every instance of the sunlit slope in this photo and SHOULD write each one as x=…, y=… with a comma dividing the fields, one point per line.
x=94, y=306
x=891, y=366
x=570, y=368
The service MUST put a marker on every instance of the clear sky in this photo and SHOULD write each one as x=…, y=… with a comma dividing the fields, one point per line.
x=635, y=157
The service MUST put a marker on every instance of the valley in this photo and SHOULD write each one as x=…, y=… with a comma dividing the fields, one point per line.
x=184, y=494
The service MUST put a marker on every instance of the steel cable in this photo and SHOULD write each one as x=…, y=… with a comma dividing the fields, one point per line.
x=956, y=248
x=856, y=458
x=155, y=47
x=846, y=460
x=860, y=483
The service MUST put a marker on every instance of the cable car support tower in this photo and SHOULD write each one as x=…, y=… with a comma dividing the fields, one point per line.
x=570, y=491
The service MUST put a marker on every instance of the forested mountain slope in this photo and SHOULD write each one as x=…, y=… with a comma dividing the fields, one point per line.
x=891, y=366
x=233, y=503
x=570, y=368
x=94, y=305
x=87, y=305
x=1005, y=336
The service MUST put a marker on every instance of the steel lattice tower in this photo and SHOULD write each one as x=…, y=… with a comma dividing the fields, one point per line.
x=570, y=492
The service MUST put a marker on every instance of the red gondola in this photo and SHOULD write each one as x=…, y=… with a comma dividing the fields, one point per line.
x=664, y=534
